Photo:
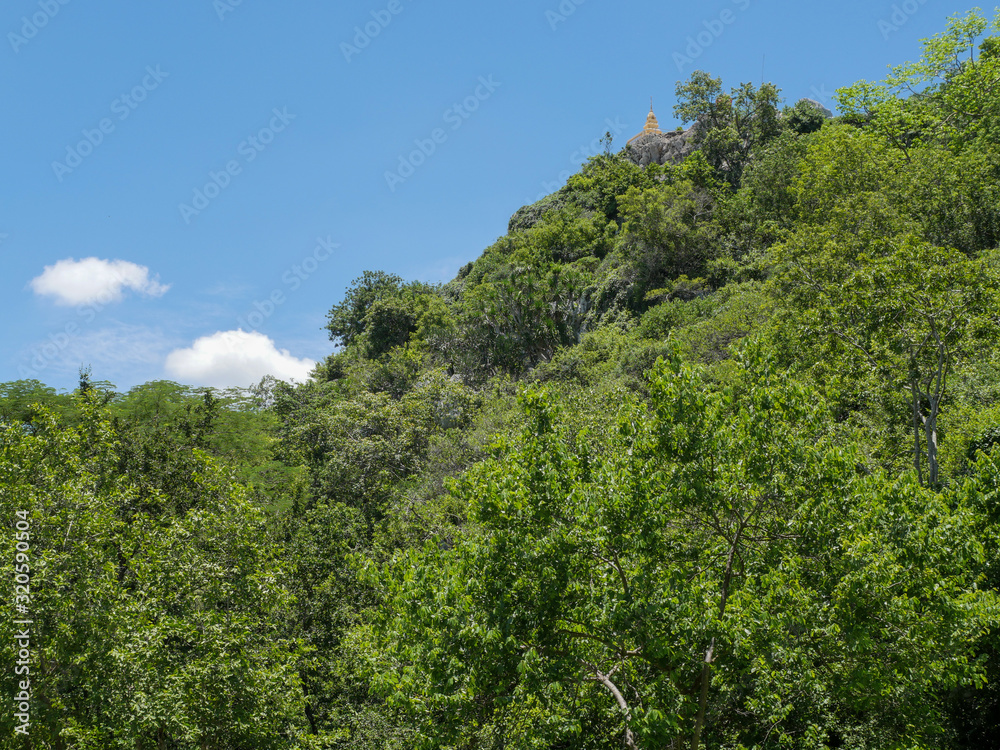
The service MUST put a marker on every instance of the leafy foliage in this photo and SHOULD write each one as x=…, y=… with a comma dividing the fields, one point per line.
x=631, y=590
x=696, y=455
x=151, y=622
x=731, y=127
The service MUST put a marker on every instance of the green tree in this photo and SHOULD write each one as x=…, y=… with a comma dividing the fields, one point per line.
x=415, y=312
x=730, y=127
x=604, y=179
x=329, y=601
x=160, y=424
x=520, y=320
x=667, y=234
x=948, y=95
x=154, y=623
x=18, y=398
x=346, y=319
x=721, y=573
x=908, y=309
x=804, y=118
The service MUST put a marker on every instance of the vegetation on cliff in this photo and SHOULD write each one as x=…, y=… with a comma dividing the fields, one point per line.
x=695, y=455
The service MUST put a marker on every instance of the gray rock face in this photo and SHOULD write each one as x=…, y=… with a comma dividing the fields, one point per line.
x=665, y=148
x=823, y=110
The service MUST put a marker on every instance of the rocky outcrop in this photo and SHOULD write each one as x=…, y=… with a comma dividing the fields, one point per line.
x=663, y=148
x=818, y=106
x=644, y=149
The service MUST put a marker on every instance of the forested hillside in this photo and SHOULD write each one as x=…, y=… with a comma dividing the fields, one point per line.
x=696, y=455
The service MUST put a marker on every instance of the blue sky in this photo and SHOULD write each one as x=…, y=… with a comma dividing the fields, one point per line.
x=190, y=185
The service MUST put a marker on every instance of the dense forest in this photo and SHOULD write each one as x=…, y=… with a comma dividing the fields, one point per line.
x=697, y=454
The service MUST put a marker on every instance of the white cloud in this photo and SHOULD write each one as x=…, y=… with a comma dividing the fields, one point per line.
x=235, y=358
x=92, y=280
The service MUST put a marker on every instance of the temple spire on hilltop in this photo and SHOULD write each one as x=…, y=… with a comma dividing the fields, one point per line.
x=653, y=146
x=652, y=125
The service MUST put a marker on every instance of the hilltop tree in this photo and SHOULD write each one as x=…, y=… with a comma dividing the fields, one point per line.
x=948, y=95
x=730, y=127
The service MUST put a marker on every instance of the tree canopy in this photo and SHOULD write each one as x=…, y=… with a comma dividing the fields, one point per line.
x=696, y=455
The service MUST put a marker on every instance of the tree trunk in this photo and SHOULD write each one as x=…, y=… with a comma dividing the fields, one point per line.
x=706, y=678
x=935, y=392
x=927, y=422
x=629, y=738
x=930, y=435
x=706, y=670
x=915, y=404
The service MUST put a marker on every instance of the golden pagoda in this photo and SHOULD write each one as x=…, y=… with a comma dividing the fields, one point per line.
x=652, y=126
